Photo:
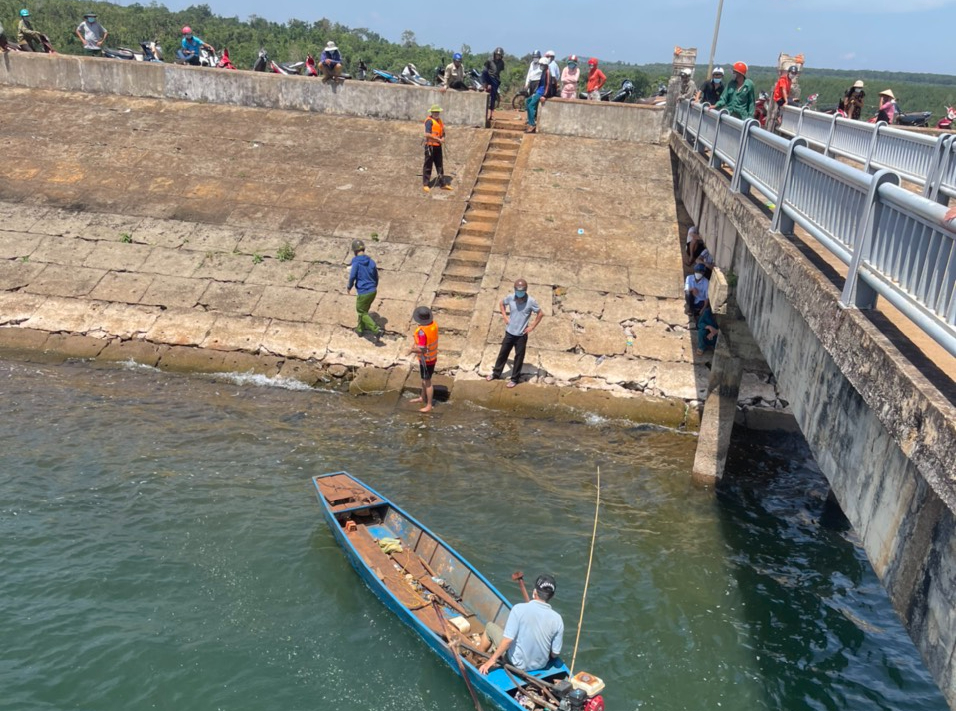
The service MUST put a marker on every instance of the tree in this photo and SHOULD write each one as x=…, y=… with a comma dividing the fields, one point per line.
x=408, y=39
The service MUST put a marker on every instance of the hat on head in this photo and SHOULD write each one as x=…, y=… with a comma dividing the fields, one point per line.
x=545, y=584
x=89, y=14
x=719, y=70
x=457, y=56
x=330, y=46
x=422, y=316
x=435, y=109
x=858, y=84
x=573, y=58
x=692, y=230
x=24, y=13
x=685, y=72
x=888, y=93
x=593, y=61
x=740, y=68
x=358, y=245
x=699, y=268
x=549, y=53
x=544, y=61
x=794, y=69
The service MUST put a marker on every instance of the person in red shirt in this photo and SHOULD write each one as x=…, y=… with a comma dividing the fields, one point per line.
x=596, y=80
x=425, y=346
x=781, y=97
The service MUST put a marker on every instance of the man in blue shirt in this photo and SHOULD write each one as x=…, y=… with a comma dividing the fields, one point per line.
x=364, y=277
x=520, y=306
x=533, y=635
x=189, y=52
x=696, y=287
x=330, y=63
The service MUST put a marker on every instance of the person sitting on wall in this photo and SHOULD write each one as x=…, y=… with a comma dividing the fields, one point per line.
x=696, y=286
x=330, y=63
x=454, y=76
x=707, y=331
x=189, y=52
x=28, y=38
x=92, y=34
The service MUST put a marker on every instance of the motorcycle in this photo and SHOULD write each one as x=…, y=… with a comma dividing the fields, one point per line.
x=410, y=75
x=915, y=119
x=208, y=58
x=624, y=93
x=265, y=64
x=151, y=52
x=657, y=99
x=362, y=70
x=760, y=110
x=946, y=123
x=388, y=77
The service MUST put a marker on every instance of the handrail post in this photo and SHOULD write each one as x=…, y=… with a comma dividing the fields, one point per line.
x=800, y=122
x=737, y=180
x=781, y=223
x=715, y=161
x=700, y=122
x=938, y=166
x=873, y=139
x=826, y=146
x=855, y=291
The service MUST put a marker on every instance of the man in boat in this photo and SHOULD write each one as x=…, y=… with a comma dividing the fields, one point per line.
x=533, y=635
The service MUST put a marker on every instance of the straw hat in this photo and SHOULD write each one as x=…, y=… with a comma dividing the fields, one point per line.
x=888, y=93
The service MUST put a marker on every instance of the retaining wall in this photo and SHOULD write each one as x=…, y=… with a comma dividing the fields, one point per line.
x=240, y=88
x=593, y=119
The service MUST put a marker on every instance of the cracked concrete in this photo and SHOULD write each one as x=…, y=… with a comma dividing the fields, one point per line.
x=147, y=233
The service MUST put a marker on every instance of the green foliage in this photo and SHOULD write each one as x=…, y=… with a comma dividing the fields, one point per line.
x=257, y=258
x=293, y=40
x=126, y=237
x=285, y=253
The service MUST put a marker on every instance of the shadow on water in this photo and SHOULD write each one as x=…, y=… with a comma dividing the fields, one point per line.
x=813, y=605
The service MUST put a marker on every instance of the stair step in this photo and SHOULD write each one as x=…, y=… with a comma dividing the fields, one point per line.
x=482, y=228
x=504, y=146
x=467, y=256
x=499, y=165
x=492, y=203
x=450, y=344
x=473, y=242
x=495, y=176
x=499, y=155
x=489, y=188
x=468, y=271
x=474, y=215
x=462, y=288
x=448, y=304
x=457, y=322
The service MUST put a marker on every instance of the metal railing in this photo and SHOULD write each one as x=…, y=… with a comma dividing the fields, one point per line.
x=914, y=156
x=894, y=243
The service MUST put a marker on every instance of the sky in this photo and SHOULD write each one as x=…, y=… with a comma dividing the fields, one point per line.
x=891, y=35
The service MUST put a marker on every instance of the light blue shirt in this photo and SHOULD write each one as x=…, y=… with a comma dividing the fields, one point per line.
x=702, y=286
x=520, y=313
x=537, y=633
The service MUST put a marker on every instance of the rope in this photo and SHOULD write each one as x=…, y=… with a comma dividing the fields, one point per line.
x=587, y=579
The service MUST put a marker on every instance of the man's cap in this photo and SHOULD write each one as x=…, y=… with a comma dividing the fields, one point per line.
x=330, y=46
x=358, y=245
x=685, y=72
x=545, y=584
x=435, y=109
x=422, y=315
x=699, y=268
x=456, y=55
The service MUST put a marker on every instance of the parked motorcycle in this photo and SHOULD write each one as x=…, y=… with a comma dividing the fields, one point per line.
x=208, y=58
x=410, y=75
x=915, y=119
x=150, y=52
x=660, y=97
x=625, y=93
x=224, y=61
x=946, y=123
x=265, y=64
x=362, y=72
x=388, y=77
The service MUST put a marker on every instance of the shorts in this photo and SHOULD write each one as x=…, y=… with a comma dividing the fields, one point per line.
x=427, y=370
x=494, y=633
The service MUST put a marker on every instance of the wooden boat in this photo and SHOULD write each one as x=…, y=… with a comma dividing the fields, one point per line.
x=433, y=589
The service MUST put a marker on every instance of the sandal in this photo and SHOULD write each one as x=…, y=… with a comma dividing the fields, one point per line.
x=489, y=378
x=512, y=384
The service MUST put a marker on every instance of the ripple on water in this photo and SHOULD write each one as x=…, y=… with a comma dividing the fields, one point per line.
x=163, y=549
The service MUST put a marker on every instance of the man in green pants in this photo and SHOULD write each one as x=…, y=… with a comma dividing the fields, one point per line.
x=364, y=277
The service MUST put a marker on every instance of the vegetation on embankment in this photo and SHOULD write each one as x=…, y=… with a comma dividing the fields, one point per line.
x=293, y=40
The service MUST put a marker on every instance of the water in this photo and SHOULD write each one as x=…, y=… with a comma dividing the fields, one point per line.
x=162, y=549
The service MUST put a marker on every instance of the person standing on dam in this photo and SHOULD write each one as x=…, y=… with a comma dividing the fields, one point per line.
x=425, y=346
x=92, y=34
x=739, y=96
x=516, y=310
x=434, y=142
x=363, y=275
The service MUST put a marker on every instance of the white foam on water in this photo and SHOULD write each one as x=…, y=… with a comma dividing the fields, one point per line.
x=263, y=381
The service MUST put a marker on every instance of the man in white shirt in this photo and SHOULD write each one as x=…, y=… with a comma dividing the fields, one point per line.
x=91, y=33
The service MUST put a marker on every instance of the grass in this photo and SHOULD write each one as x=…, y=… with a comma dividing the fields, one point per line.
x=257, y=258
x=731, y=279
x=285, y=253
x=126, y=238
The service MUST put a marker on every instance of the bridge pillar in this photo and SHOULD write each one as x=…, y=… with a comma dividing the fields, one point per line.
x=720, y=407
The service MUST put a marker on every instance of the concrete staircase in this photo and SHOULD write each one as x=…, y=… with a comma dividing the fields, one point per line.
x=458, y=290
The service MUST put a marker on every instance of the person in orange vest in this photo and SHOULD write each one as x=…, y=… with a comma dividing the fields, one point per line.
x=434, y=141
x=425, y=346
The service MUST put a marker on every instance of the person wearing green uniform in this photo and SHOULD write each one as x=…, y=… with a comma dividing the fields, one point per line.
x=738, y=97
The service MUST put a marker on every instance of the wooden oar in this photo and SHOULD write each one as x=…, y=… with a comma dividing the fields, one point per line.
x=453, y=646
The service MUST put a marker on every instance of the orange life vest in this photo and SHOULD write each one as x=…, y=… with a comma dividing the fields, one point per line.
x=438, y=129
x=431, y=341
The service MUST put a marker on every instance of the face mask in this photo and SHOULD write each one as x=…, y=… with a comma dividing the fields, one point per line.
x=572, y=65
x=698, y=276
x=718, y=80
x=520, y=293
